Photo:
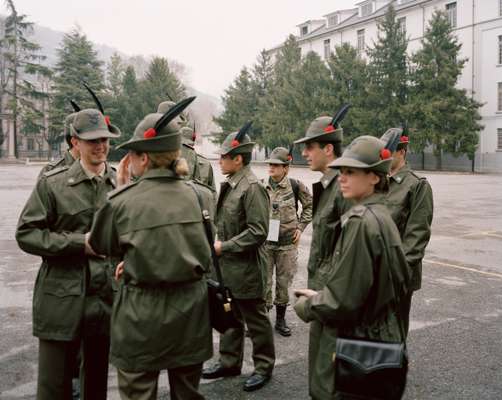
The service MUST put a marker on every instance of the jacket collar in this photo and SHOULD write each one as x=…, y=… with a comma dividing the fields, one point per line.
x=328, y=177
x=399, y=175
x=159, y=173
x=76, y=174
x=283, y=183
x=234, y=179
x=375, y=198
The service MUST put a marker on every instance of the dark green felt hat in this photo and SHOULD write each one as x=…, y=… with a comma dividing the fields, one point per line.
x=158, y=132
x=237, y=142
x=326, y=129
x=365, y=152
x=280, y=155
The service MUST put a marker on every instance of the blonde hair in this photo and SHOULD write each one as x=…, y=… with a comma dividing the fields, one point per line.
x=168, y=160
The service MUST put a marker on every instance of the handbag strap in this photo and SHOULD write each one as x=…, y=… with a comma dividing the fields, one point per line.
x=401, y=327
x=206, y=219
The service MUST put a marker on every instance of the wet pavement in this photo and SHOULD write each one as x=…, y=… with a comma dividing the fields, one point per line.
x=455, y=342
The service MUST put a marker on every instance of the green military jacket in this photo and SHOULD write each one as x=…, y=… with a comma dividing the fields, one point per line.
x=72, y=290
x=328, y=206
x=160, y=316
x=189, y=154
x=411, y=206
x=66, y=160
x=283, y=208
x=357, y=299
x=206, y=175
x=242, y=227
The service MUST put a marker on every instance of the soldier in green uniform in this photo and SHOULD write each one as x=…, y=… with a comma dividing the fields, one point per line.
x=369, y=241
x=242, y=226
x=160, y=317
x=411, y=206
x=323, y=144
x=285, y=229
x=73, y=293
x=69, y=156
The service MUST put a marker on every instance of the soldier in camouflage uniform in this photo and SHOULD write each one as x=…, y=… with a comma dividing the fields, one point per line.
x=73, y=291
x=69, y=156
x=369, y=242
x=242, y=226
x=411, y=206
x=282, y=250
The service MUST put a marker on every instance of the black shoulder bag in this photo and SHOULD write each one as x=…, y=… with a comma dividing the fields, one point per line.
x=368, y=369
x=221, y=310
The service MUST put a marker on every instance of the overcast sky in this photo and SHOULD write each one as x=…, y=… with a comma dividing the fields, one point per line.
x=213, y=38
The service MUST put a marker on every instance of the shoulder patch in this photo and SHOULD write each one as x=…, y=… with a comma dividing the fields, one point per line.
x=121, y=189
x=56, y=171
x=356, y=211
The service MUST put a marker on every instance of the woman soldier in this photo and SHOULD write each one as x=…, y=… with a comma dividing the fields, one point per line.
x=160, y=317
x=355, y=302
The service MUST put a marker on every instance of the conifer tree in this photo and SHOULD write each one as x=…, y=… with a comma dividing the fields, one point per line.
x=262, y=79
x=349, y=74
x=388, y=77
x=21, y=64
x=240, y=104
x=129, y=104
x=77, y=63
x=443, y=115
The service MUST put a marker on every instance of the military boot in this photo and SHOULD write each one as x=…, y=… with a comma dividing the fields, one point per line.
x=280, y=322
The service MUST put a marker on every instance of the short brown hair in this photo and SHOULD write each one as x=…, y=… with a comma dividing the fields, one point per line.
x=168, y=160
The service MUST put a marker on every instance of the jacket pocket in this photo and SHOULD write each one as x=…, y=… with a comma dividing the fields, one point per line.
x=62, y=288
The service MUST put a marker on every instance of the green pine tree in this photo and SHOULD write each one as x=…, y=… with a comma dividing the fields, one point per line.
x=22, y=66
x=444, y=116
x=280, y=109
x=160, y=84
x=239, y=103
x=77, y=63
x=129, y=107
x=262, y=79
x=349, y=73
x=387, y=90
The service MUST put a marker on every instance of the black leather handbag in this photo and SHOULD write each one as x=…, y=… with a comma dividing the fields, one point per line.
x=366, y=369
x=221, y=310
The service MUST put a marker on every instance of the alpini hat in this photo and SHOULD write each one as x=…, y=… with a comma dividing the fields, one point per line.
x=165, y=106
x=237, y=142
x=188, y=135
x=280, y=155
x=392, y=138
x=90, y=124
x=365, y=152
x=326, y=129
x=158, y=132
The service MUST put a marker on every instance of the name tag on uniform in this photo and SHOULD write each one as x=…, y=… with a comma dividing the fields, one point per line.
x=273, y=230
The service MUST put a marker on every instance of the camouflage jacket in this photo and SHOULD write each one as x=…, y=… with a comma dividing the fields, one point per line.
x=411, y=206
x=283, y=208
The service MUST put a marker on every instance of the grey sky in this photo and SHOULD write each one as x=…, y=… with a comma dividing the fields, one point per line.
x=213, y=38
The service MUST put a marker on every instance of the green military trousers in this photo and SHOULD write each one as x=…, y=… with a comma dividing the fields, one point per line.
x=253, y=314
x=57, y=361
x=285, y=264
x=183, y=383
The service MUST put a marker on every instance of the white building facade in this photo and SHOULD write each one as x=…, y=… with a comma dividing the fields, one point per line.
x=478, y=26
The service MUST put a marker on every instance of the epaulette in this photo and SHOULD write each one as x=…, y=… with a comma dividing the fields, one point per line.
x=56, y=171
x=121, y=189
x=55, y=163
x=356, y=211
x=417, y=176
x=196, y=181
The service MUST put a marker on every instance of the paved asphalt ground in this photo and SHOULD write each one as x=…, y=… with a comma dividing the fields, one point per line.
x=455, y=341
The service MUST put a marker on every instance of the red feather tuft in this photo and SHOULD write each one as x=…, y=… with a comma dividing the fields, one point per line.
x=150, y=133
x=329, y=129
x=194, y=137
x=234, y=143
x=385, y=154
x=404, y=139
x=107, y=120
x=290, y=157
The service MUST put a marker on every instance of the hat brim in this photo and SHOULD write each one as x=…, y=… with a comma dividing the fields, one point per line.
x=111, y=133
x=381, y=166
x=321, y=137
x=276, y=161
x=156, y=144
x=242, y=148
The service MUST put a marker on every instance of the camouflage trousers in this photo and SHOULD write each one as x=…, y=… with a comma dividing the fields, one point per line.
x=284, y=262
